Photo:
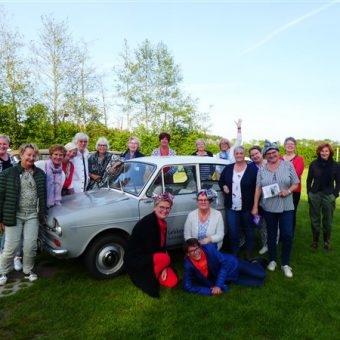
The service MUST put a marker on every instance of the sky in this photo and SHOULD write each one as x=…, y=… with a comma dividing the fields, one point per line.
x=274, y=64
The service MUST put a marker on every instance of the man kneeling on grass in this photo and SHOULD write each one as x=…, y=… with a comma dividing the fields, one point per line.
x=207, y=271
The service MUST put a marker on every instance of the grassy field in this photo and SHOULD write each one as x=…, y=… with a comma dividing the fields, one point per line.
x=71, y=305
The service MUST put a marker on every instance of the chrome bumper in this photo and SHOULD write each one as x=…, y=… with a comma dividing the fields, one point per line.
x=45, y=247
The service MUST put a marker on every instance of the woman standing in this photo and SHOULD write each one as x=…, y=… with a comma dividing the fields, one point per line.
x=227, y=151
x=6, y=160
x=164, y=149
x=277, y=180
x=323, y=185
x=68, y=168
x=299, y=166
x=146, y=259
x=98, y=163
x=205, y=223
x=80, y=161
x=22, y=205
x=206, y=171
x=255, y=154
x=238, y=183
x=55, y=176
x=133, y=149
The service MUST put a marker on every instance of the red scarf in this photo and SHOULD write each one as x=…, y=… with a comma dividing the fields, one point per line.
x=162, y=227
x=201, y=264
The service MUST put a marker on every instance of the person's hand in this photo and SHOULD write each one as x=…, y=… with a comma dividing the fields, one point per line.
x=285, y=193
x=2, y=227
x=225, y=189
x=255, y=211
x=205, y=240
x=238, y=123
x=164, y=274
x=216, y=291
x=95, y=177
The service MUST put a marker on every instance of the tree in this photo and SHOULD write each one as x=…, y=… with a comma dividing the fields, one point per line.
x=15, y=88
x=148, y=86
x=54, y=58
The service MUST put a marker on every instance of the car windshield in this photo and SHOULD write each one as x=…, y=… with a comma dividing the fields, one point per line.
x=131, y=177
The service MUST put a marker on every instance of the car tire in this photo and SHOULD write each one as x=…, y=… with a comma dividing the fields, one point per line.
x=104, y=259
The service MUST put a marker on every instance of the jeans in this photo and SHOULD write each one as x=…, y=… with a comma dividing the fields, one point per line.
x=284, y=221
x=236, y=221
x=250, y=274
x=28, y=227
x=325, y=204
x=3, y=239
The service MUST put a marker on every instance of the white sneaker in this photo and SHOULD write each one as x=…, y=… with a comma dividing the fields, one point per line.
x=3, y=279
x=287, y=271
x=31, y=276
x=17, y=263
x=263, y=250
x=272, y=266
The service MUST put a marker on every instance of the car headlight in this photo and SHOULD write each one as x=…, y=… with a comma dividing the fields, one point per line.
x=57, y=227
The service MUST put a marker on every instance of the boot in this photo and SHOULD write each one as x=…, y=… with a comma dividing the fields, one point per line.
x=315, y=244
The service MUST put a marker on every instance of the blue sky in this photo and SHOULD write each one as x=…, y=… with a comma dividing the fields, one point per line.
x=275, y=64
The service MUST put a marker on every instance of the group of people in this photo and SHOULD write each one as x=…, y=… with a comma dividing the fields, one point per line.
x=262, y=195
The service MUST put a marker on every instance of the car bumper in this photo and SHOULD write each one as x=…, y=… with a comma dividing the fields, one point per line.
x=45, y=245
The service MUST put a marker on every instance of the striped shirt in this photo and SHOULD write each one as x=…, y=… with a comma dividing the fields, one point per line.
x=285, y=175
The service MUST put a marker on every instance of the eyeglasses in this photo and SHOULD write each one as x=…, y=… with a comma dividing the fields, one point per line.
x=271, y=153
x=82, y=141
x=193, y=251
x=161, y=207
x=102, y=145
x=202, y=200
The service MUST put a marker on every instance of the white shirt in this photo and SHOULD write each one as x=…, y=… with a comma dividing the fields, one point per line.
x=237, y=195
x=81, y=176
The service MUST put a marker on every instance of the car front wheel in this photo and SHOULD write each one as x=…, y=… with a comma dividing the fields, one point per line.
x=104, y=258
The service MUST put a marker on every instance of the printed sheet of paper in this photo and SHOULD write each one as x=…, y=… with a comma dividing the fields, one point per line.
x=271, y=190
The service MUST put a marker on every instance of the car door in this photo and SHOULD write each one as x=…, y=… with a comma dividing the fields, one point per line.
x=181, y=182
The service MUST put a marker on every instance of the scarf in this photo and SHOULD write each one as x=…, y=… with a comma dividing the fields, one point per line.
x=53, y=183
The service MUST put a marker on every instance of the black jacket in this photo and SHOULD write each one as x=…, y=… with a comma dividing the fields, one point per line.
x=145, y=241
x=10, y=193
x=248, y=185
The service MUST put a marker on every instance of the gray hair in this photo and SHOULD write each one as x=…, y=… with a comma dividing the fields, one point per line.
x=78, y=136
x=5, y=137
x=133, y=138
x=224, y=140
x=291, y=139
x=201, y=140
x=102, y=140
x=240, y=147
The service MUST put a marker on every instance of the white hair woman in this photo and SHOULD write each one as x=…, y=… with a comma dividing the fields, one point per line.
x=133, y=149
x=206, y=171
x=80, y=161
x=98, y=163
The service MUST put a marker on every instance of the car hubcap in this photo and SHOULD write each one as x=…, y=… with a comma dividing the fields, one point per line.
x=110, y=259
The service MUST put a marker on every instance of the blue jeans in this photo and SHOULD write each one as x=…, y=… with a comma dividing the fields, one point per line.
x=250, y=274
x=284, y=221
x=236, y=221
x=28, y=227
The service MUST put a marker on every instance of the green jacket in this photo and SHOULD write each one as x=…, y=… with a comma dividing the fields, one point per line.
x=10, y=193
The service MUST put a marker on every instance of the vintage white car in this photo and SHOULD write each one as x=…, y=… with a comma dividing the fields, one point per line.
x=97, y=224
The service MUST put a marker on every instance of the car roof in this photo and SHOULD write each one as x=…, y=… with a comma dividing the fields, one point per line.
x=166, y=160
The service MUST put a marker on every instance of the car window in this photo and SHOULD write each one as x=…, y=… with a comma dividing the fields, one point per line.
x=131, y=177
x=209, y=175
x=176, y=179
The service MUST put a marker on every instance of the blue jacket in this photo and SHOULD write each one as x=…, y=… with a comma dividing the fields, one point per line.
x=221, y=267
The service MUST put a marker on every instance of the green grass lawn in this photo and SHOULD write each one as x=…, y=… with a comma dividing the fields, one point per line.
x=71, y=305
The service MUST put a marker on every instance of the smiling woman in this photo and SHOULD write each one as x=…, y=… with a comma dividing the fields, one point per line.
x=22, y=205
x=147, y=261
x=55, y=177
